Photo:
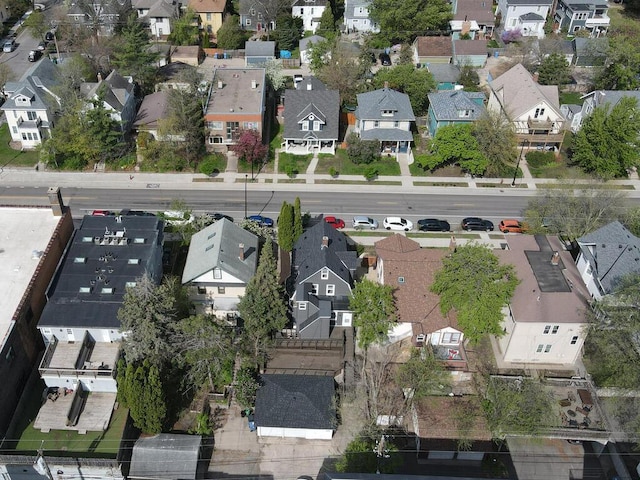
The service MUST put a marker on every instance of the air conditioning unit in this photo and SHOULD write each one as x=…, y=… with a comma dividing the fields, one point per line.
x=420, y=339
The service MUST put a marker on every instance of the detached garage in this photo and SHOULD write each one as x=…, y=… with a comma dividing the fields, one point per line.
x=296, y=406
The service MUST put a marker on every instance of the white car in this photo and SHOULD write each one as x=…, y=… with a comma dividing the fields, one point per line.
x=397, y=223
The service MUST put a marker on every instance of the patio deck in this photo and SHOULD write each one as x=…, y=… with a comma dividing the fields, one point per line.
x=94, y=417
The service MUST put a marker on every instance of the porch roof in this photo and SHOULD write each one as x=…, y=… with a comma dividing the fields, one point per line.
x=386, y=135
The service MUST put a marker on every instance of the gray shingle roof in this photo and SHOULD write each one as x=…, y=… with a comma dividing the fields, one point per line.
x=350, y=7
x=386, y=135
x=36, y=82
x=218, y=246
x=529, y=2
x=308, y=41
x=613, y=97
x=531, y=17
x=166, y=456
x=590, y=46
x=153, y=108
x=371, y=105
x=447, y=105
x=259, y=48
x=444, y=72
x=613, y=252
x=296, y=401
x=324, y=104
x=115, y=88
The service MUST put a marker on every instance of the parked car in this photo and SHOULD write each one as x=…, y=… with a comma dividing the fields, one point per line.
x=476, y=223
x=34, y=55
x=127, y=212
x=41, y=46
x=9, y=45
x=385, y=59
x=510, y=225
x=49, y=36
x=260, y=220
x=334, y=222
x=218, y=216
x=361, y=221
x=433, y=225
x=101, y=213
x=397, y=223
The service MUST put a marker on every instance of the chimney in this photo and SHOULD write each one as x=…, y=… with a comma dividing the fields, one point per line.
x=254, y=85
x=466, y=27
x=55, y=201
x=99, y=77
x=555, y=258
x=535, y=76
x=309, y=87
x=220, y=84
x=386, y=84
x=241, y=253
x=325, y=242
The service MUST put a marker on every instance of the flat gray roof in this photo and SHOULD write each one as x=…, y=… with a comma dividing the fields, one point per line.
x=25, y=233
x=237, y=94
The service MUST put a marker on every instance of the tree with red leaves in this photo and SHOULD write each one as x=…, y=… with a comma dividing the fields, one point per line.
x=249, y=147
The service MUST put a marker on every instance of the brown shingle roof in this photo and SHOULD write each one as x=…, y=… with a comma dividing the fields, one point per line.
x=470, y=47
x=402, y=258
x=478, y=10
x=434, y=46
x=208, y=6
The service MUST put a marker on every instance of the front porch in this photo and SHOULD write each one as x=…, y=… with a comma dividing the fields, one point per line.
x=393, y=141
x=309, y=145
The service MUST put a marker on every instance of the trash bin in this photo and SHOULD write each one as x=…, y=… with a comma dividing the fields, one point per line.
x=496, y=54
x=225, y=55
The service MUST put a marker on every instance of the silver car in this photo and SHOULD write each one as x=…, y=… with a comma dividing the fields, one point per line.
x=361, y=221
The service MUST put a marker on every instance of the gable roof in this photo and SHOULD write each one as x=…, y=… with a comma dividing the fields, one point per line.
x=154, y=107
x=518, y=92
x=208, y=6
x=166, y=456
x=36, y=83
x=444, y=72
x=371, y=105
x=590, y=46
x=307, y=42
x=325, y=104
x=259, y=48
x=446, y=105
x=163, y=9
x=470, y=47
x=217, y=246
x=309, y=3
x=479, y=10
x=613, y=97
x=404, y=259
x=296, y=401
x=116, y=89
x=613, y=252
x=434, y=46
x=531, y=17
x=530, y=2
x=310, y=83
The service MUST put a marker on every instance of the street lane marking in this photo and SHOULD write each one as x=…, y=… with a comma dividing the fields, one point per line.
x=387, y=203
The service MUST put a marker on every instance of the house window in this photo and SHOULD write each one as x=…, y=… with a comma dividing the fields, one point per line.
x=15, y=129
x=214, y=140
x=376, y=124
x=232, y=127
x=215, y=125
x=324, y=274
x=539, y=112
x=305, y=126
x=331, y=290
x=314, y=288
x=250, y=125
x=248, y=22
x=546, y=329
x=259, y=16
x=202, y=290
x=32, y=115
x=252, y=12
x=80, y=260
x=311, y=11
x=133, y=261
x=450, y=338
x=302, y=11
x=547, y=349
x=555, y=329
x=396, y=124
x=208, y=17
x=539, y=349
x=574, y=340
x=464, y=113
x=387, y=113
x=221, y=290
x=316, y=126
x=217, y=273
x=302, y=305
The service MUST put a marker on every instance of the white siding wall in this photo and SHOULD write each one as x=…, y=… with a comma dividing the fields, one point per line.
x=525, y=339
x=586, y=273
x=308, y=14
x=370, y=124
x=104, y=384
x=308, y=434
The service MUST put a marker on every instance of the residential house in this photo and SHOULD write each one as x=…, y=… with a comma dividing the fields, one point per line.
x=479, y=11
x=80, y=325
x=575, y=15
x=174, y=75
x=446, y=75
x=385, y=115
x=157, y=15
x=454, y=107
x=305, y=46
x=31, y=104
x=222, y=259
x=33, y=242
x=296, y=406
x=153, y=109
x=576, y=114
x=470, y=52
x=606, y=256
x=256, y=16
x=565, y=47
x=310, y=12
x=356, y=17
x=237, y=100
x=525, y=16
x=117, y=94
x=257, y=53
x=409, y=269
x=210, y=14
x=430, y=50
x=534, y=109
x=545, y=322
x=465, y=29
x=590, y=52
x=101, y=15
x=311, y=119
x=166, y=456
x=323, y=267
x=189, y=54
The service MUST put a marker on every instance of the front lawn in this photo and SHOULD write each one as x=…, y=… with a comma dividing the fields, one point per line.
x=386, y=166
x=293, y=164
x=14, y=158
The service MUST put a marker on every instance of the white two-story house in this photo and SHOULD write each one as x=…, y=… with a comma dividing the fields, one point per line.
x=118, y=97
x=157, y=15
x=356, y=17
x=310, y=12
x=526, y=16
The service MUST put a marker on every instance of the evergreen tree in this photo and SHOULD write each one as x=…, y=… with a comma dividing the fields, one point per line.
x=327, y=26
x=298, y=227
x=136, y=378
x=554, y=70
x=230, y=35
x=184, y=30
x=155, y=410
x=263, y=307
x=131, y=56
x=285, y=227
x=288, y=32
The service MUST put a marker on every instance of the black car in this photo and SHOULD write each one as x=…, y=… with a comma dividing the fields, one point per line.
x=475, y=223
x=48, y=36
x=218, y=216
x=385, y=59
x=433, y=225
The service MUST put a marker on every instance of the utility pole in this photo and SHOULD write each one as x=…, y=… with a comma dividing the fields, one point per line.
x=245, y=195
x=41, y=464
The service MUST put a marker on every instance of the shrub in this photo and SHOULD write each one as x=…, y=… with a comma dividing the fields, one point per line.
x=333, y=172
x=370, y=172
x=362, y=151
x=209, y=165
x=291, y=169
x=539, y=159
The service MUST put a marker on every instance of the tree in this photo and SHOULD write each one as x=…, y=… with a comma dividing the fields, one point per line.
x=622, y=67
x=422, y=373
x=403, y=20
x=184, y=31
x=131, y=54
x=366, y=455
x=327, y=26
x=75, y=70
x=362, y=151
x=497, y=141
x=230, y=35
x=373, y=311
x=339, y=69
x=298, y=227
x=285, y=227
x=140, y=389
x=263, y=308
x=246, y=386
x=406, y=55
x=6, y=75
x=288, y=32
x=250, y=148
x=631, y=220
x=275, y=75
x=573, y=212
x=416, y=83
x=554, y=70
x=474, y=282
x=607, y=144
x=455, y=144
x=469, y=78
x=37, y=24
x=150, y=314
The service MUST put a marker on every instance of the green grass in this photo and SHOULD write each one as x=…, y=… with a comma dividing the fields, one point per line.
x=356, y=182
x=571, y=97
x=299, y=162
x=369, y=233
x=218, y=161
x=470, y=236
x=387, y=166
x=14, y=158
x=276, y=140
x=440, y=184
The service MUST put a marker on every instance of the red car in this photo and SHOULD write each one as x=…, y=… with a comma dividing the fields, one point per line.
x=100, y=213
x=334, y=222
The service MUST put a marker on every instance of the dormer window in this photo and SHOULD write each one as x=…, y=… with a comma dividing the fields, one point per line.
x=387, y=113
x=464, y=113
